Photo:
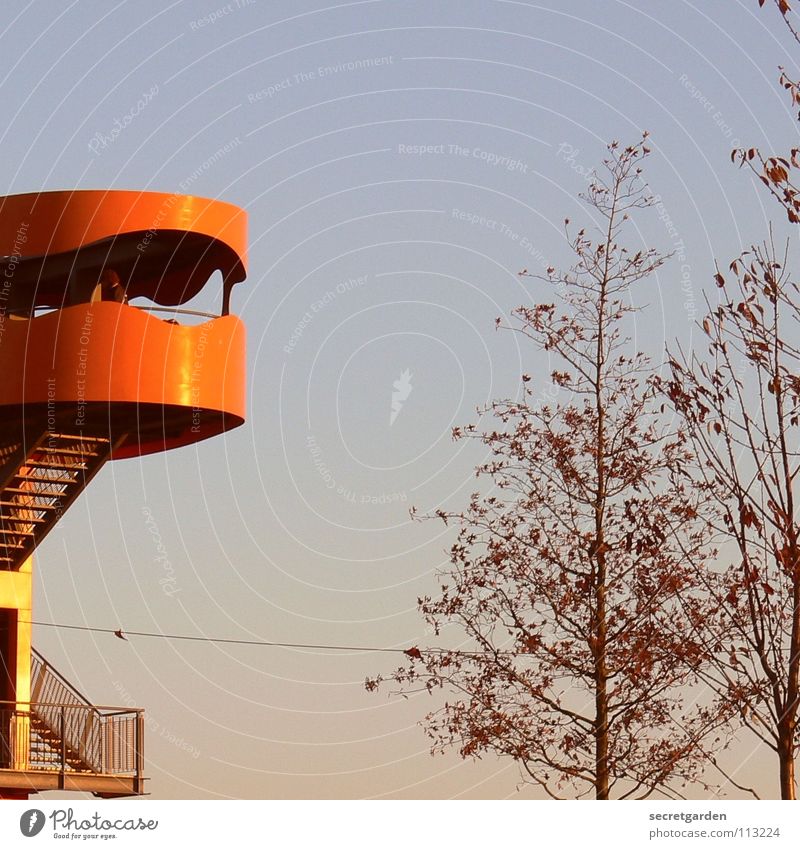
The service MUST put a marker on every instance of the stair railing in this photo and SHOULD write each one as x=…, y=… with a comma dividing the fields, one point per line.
x=28, y=742
x=99, y=740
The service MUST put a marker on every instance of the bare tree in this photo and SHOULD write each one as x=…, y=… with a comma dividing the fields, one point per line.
x=568, y=583
x=740, y=404
x=742, y=408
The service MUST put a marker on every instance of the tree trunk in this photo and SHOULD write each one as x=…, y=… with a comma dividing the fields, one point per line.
x=600, y=634
x=786, y=758
x=601, y=697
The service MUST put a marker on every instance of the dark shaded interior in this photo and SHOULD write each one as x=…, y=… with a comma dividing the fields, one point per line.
x=169, y=267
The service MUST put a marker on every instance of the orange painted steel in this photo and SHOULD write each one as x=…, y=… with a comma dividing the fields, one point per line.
x=165, y=246
x=114, y=370
x=106, y=368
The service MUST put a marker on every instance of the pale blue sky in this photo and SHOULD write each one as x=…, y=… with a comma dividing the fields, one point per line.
x=260, y=545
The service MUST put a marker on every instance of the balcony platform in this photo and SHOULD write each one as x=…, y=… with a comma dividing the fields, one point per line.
x=61, y=741
x=39, y=781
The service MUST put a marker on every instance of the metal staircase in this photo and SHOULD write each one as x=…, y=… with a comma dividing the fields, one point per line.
x=59, y=740
x=65, y=726
x=38, y=483
x=49, y=748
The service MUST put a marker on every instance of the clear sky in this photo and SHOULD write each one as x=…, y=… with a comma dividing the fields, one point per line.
x=401, y=162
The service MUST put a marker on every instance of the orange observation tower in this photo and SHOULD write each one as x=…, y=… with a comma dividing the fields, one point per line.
x=98, y=362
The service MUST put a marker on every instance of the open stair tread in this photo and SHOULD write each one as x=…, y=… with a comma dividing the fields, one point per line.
x=38, y=483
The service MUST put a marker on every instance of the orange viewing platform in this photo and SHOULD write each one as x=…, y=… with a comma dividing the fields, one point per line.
x=90, y=376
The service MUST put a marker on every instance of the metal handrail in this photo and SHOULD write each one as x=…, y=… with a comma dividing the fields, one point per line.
x=100, y=738
x=109, y=710
x=58, y=739
x=35, y=655
x=176, y=311
x=169, y=310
